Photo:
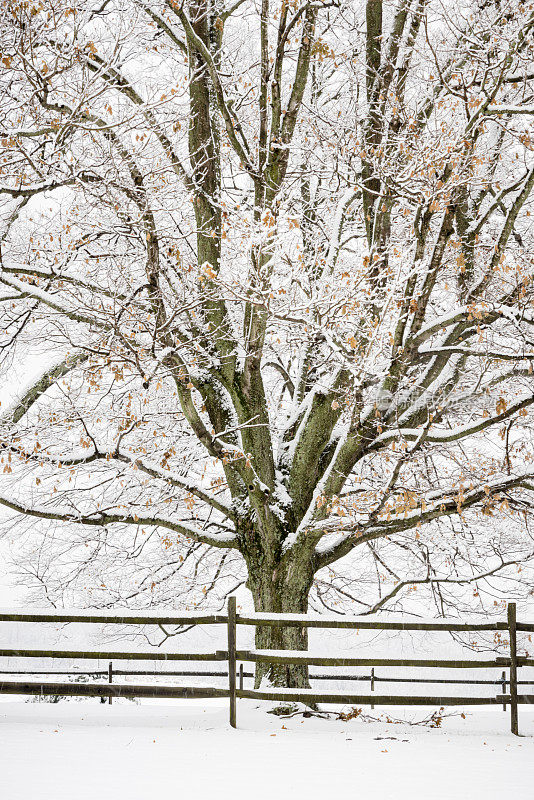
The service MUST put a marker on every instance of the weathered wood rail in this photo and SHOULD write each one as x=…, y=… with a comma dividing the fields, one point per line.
x=232, y=655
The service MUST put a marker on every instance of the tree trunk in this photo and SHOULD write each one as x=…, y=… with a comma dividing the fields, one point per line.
x=281, y=591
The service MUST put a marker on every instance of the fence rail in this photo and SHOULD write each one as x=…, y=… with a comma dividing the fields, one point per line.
x=111, y=690
x=232, y=655
x=224, y=674
x=344, y=661
x=98, y=655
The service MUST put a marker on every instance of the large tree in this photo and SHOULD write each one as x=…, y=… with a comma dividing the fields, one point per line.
x=270, y=263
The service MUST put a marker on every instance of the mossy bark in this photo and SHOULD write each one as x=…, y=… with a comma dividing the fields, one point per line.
x=284, y=589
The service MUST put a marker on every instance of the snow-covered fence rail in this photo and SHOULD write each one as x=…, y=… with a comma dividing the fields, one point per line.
x=110, y=690
x=232, y=655
x=310, y=696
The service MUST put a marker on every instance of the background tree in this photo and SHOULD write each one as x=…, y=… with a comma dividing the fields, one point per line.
x=268, y=266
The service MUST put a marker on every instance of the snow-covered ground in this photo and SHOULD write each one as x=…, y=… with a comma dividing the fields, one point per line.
x=159, y=750
x=187, y=750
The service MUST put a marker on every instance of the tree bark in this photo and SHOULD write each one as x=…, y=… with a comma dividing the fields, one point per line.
x=284, y=589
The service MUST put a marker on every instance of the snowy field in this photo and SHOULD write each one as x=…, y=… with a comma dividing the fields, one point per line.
x=82, y=750
x=159, y=750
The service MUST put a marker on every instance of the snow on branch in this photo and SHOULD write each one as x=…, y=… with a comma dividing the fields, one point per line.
x=100, y=519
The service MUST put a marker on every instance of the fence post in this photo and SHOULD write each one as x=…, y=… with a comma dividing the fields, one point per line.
x=241, y=676
x=372, y=681
x=232, y=658
x=514, y=727
x=110, y=679
x=503, y=682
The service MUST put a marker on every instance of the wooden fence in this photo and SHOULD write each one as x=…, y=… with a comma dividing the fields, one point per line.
x=232, y=655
